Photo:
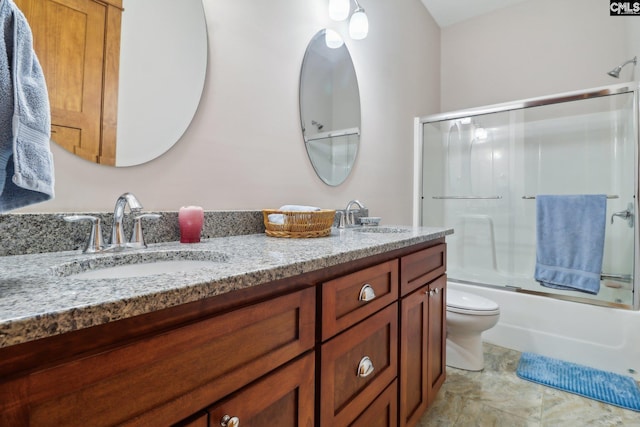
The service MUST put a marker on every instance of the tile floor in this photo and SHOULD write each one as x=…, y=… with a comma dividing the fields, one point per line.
x=497, y=397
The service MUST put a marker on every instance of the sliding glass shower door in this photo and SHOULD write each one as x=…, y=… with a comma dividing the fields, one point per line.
x=482, y=171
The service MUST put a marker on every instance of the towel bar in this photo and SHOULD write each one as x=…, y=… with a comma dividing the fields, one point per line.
x=332, y=134
x=627, y=278
x=609, y=196
x=466, y=197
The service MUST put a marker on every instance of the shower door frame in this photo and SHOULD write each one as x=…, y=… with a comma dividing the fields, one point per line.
x=630, y=87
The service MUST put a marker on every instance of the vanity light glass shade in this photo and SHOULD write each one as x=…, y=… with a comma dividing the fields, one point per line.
x=333, y=39
x=339, y=9
x=359, y=25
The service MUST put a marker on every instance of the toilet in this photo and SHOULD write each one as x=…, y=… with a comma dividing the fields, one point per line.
x=468, y=315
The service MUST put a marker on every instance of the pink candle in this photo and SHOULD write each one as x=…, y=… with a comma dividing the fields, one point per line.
x=190, y=219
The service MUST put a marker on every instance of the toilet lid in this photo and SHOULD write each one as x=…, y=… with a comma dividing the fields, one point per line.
x=459, y=300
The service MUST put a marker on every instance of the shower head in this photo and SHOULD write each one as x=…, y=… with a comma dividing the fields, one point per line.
x=616, y=71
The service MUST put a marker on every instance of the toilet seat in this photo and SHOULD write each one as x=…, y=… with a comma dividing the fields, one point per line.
x=465, y=303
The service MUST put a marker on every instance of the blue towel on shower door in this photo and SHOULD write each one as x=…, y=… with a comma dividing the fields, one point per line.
x=570, y=241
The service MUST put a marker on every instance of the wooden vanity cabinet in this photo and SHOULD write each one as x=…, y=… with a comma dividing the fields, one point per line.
x=161, y=378
x=359, y=344
x=422, y=332
x=401, y=326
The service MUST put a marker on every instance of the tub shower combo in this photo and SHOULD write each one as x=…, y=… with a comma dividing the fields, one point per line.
x=480, y=170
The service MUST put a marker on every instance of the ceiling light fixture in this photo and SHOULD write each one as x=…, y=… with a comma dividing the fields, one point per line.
x=339, y=9
x=359, y=22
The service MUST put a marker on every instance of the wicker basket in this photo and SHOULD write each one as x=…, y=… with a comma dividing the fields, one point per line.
x=299, y=224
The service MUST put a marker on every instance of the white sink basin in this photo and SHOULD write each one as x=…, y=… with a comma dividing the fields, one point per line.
x=144, y=269
x=138, y=264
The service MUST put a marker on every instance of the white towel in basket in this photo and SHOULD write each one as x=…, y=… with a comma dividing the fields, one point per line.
x=279, y=218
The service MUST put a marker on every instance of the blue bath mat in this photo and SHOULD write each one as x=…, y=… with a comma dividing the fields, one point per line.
x=607, y=387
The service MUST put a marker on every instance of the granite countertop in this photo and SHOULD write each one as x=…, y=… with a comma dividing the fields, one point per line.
x=38, y=299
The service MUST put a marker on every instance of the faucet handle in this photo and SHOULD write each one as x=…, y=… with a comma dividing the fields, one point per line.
x=341, y=220
x=95, y=242
x=137, y=238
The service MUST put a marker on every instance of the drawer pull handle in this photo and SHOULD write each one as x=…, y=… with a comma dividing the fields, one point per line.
x=228, y=421
x=365, y=367
x=366, y=293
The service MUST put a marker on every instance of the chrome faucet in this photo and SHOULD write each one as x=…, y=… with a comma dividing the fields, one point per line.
x=625, y=214
x=118, y=242
x=348, y=213
x=117, y=230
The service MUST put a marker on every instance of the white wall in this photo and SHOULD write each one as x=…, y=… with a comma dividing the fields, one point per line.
x=535, y=48
x=244, y=149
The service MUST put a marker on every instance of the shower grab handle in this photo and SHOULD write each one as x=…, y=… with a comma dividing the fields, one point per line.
x=466, y=197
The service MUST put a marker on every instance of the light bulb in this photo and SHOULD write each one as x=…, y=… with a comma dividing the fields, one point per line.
x=332, y=39
x=481, y=134
x=339, y=9
x=358, y=25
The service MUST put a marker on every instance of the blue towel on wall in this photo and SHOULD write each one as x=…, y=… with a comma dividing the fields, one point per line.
x=570, y=241
x=26, y=163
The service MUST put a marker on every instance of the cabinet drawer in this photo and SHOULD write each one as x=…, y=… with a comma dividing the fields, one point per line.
x=174, y=374
x=349, y=299
x=284, y=398
x=344, y=394
x=201, y=419
x=421, y=267
x=383, y=412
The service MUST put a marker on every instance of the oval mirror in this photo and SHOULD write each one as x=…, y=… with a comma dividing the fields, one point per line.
x=330, y=107
x=125, y=77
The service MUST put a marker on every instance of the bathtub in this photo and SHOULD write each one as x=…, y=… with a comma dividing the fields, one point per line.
x=600, y=337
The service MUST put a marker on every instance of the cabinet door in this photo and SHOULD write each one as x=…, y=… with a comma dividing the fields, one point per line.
x=437, y=341
x=422, y=349
x=284, y=398
x=414, y=327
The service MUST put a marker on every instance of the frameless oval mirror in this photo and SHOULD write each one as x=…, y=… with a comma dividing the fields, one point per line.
x=125, y=77
x=330, y=107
